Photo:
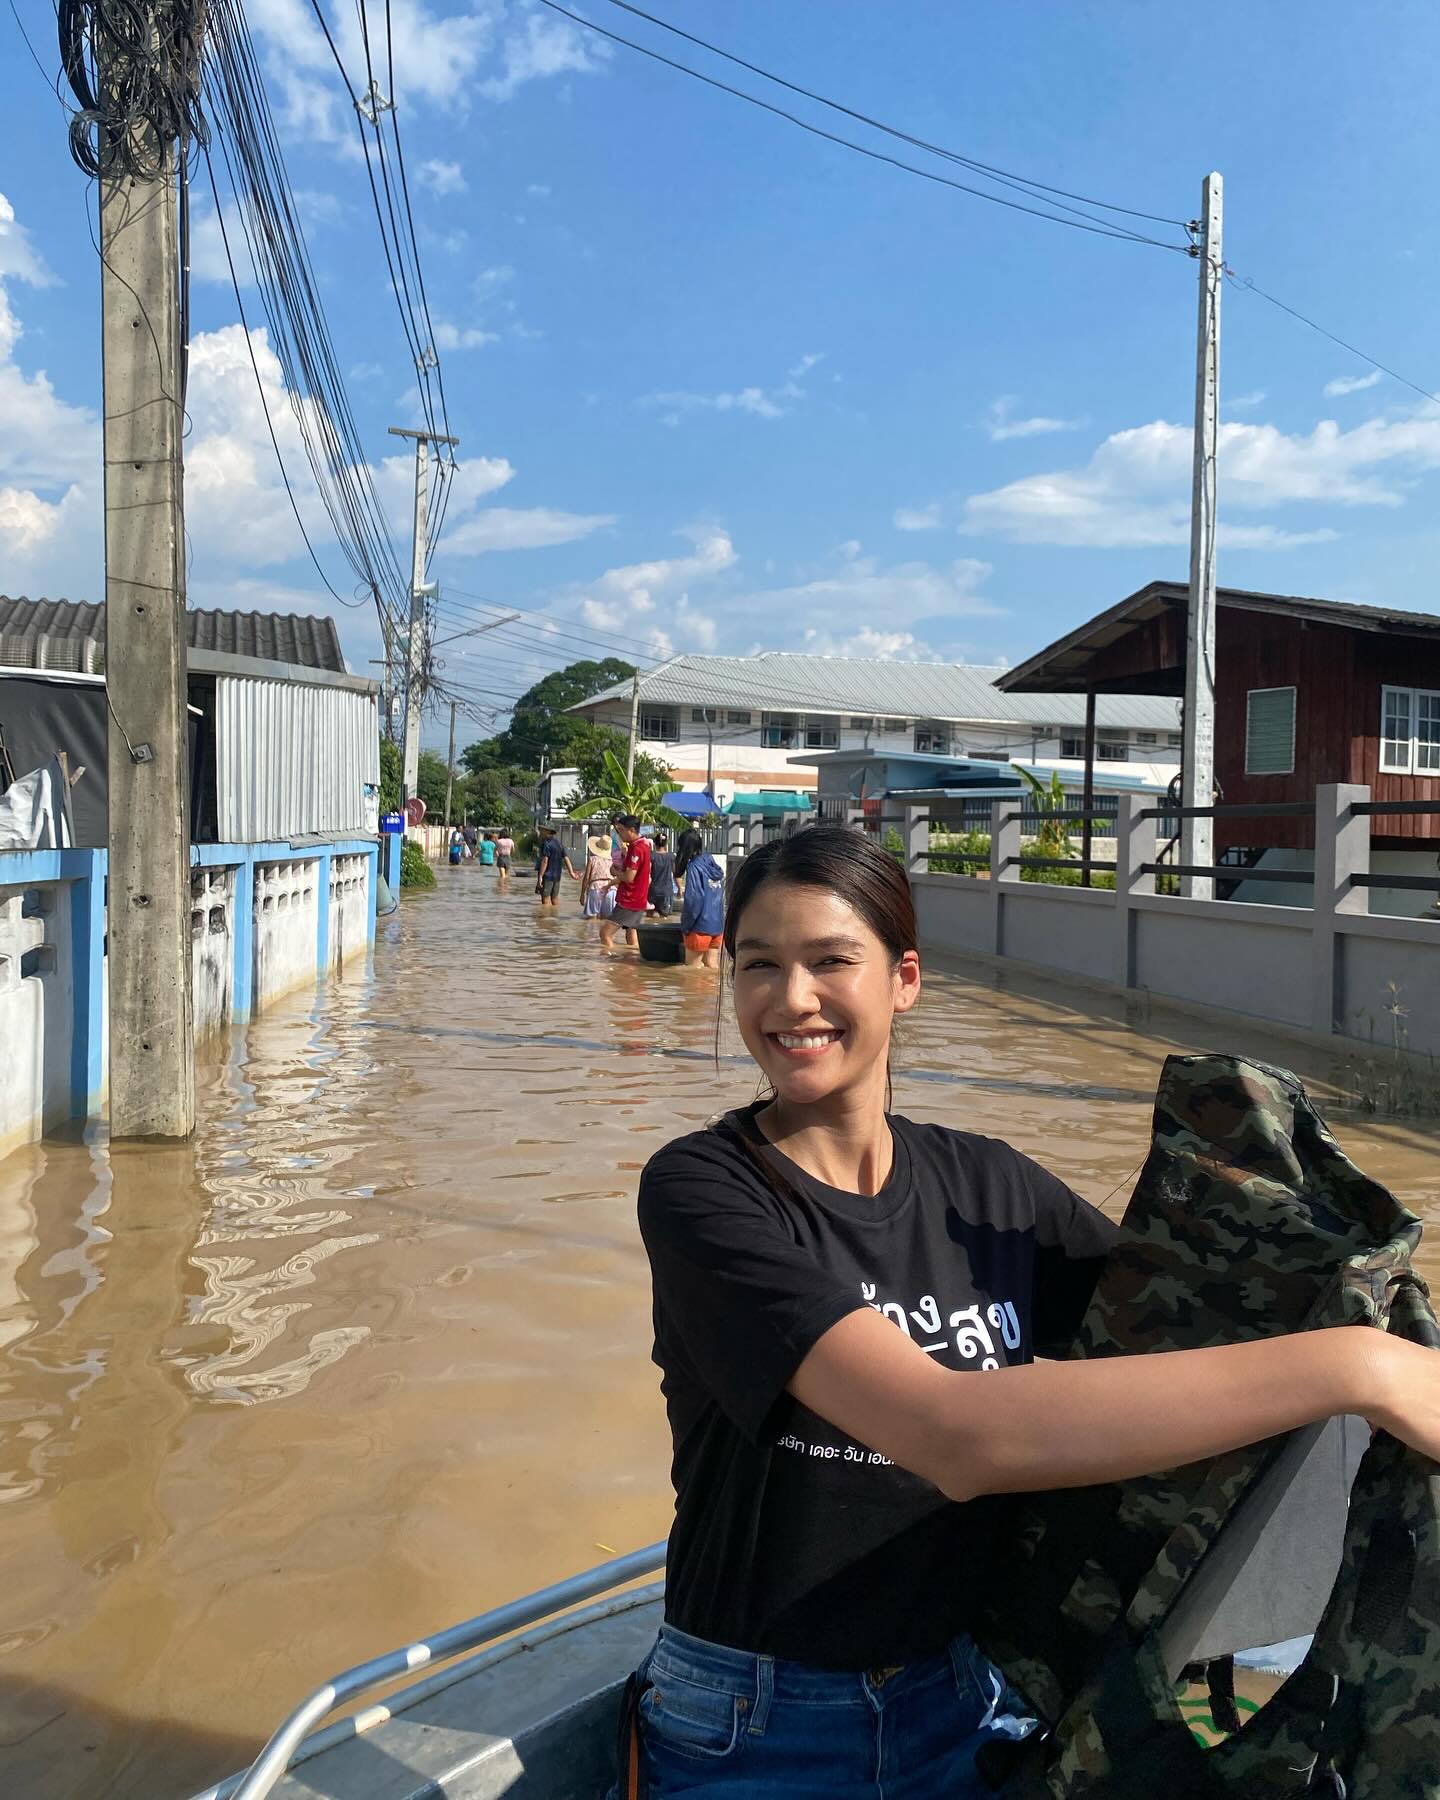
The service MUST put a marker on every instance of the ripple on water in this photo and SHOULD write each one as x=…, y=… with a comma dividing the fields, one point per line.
x=372, y=1351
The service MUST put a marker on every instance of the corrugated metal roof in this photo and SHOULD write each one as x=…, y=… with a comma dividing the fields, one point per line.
x=780, y=681
x=38, y=634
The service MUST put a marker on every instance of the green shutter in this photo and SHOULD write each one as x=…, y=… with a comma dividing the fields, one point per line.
x=1270, y=731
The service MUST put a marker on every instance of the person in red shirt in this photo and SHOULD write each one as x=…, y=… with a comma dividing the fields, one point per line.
x=632, y=891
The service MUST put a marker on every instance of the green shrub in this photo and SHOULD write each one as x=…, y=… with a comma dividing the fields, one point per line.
x=415, y=872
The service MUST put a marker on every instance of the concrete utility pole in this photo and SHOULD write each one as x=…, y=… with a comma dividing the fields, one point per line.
x=420, y=592
x=1197, y=836
x=634, y=727
x=152, y=1040
x=450, y=765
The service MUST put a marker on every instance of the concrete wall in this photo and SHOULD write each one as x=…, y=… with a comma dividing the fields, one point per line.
x=1331, y=967
x=286, y=905
x=54, y=1004
x=350, y=906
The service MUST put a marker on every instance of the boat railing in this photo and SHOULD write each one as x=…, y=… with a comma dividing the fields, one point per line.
x=292, y=1742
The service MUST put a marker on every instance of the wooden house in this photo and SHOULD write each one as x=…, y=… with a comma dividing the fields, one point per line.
x=1306, y=692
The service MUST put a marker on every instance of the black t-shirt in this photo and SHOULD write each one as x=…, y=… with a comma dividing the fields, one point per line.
x=790, y=1539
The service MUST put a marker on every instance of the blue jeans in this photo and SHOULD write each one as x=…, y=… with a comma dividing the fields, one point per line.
x=720, y=1721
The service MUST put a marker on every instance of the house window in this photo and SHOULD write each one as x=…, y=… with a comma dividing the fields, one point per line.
x=821, y=737
x=858, y=722
x=704, y=715
x=931, y=743
x=1270, y=731
x=1072, y=746
x=894, y=725
x=1174, y=741
x=778, y=731
x=1409, y=731
x=659, y=727
x=1112, y=750
x=737, y=718
x=1147, y=737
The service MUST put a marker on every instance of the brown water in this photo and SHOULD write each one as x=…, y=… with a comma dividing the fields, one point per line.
x=371, y=1353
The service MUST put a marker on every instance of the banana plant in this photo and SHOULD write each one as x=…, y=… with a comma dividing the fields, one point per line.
x=645, y=799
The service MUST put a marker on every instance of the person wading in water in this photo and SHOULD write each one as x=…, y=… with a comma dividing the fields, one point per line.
x=847, y=1306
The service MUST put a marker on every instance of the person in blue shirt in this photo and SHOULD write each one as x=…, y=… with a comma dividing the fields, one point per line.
x=553, y=862
x=702, y=909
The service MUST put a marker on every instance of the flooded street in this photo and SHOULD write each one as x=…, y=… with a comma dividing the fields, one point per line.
x=371, y=1353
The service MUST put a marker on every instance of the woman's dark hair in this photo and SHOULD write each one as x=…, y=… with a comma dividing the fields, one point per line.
x=849, y=864
x=688, y=846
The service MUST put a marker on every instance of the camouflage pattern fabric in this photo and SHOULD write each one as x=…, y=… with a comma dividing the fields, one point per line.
x=1247, y=1222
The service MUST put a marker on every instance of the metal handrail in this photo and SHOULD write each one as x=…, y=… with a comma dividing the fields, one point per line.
x=1259, y=809
x=1370, y=809
x=279, y=1752
x=1226, y=871
x=1420, y=884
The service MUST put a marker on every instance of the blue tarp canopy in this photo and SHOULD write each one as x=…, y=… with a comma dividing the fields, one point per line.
x=691, y=805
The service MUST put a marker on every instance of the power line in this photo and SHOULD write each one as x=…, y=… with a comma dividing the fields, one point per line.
x=1055, y=218
x=1246, y=285
x=1022, y=182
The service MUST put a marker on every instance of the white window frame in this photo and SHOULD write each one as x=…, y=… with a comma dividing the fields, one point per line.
x=668, y=725
x=1289, y=769
x=736, y=718
x=1413, y=699
x=1112, y=748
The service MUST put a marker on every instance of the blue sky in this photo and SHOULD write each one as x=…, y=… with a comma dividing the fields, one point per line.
x=723, y=386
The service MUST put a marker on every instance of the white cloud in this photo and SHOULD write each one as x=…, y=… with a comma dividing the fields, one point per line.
x=1002, y=425
x=1352, y=384
x=367, y=371
x=620, y=594
x=442, y=177
x=492, y=47
x=520, y=528
x=1134, y=491
x=917, y=518
x=759, y=402
x=541, y=45
x=537, y=190
x=462, y=337
x=18, y=256
x=876, y=646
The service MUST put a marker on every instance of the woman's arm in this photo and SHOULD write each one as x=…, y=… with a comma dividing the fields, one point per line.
x=1072, y=1424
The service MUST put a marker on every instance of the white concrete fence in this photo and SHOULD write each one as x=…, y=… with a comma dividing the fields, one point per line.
x=1331, y=968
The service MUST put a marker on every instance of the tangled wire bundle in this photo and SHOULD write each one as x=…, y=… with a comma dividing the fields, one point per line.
x=134, y=66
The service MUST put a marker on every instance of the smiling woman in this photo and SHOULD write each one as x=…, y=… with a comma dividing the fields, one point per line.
x=847, y=1310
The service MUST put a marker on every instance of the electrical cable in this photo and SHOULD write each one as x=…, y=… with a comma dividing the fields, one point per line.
x=1120, y=233
x=1247, y=285
x=1022, y=183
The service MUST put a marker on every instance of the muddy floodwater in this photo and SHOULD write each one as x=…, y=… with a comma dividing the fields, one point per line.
x=372, y=1352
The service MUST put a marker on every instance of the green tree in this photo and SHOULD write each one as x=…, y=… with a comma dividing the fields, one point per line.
x=391, y=765
x=430, y=781
x=641, y=794
x=540, y=723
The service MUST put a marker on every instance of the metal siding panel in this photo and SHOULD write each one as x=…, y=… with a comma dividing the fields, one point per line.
x=292, y=760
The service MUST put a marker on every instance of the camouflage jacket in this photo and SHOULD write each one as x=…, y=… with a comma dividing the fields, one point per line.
x=1247, y=1222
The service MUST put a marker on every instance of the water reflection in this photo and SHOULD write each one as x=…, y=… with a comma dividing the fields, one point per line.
x=373, y=1350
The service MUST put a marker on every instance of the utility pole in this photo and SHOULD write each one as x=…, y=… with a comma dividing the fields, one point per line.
x=634, y=727
x=152, y=1039
x=420, y=592
x=450, y=765
x=1197, y=836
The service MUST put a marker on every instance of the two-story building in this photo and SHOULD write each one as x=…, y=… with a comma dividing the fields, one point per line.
x=743, y=723
x=1306, y=692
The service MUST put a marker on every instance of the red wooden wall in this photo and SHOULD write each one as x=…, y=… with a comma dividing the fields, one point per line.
x=1337, y=674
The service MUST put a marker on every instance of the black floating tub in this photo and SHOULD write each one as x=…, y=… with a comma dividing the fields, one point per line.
x=661, y=943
